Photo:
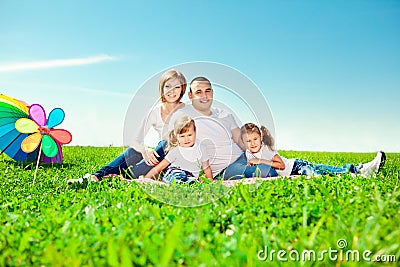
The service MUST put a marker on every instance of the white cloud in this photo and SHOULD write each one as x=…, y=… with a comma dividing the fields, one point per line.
x=56, y=63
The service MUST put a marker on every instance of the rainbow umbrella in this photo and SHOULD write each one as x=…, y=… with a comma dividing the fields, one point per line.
x=12, y=110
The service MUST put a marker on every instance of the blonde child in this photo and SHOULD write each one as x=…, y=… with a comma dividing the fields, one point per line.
x=172, y=87
x=185, y=155
x=260, y=150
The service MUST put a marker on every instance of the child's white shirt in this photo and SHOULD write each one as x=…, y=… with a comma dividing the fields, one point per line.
x=215, y=131
x=188, y=158
x=267, y=154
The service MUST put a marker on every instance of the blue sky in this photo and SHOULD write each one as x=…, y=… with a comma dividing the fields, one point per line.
x=330, y=70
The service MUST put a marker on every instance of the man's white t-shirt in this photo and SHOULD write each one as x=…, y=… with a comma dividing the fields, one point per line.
x=266, y=153
x=188, y=158
x=215, y=131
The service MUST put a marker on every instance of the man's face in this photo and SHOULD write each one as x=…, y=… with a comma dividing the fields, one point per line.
x=201, y=95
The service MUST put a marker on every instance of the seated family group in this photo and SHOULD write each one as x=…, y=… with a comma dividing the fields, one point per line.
x=199, y=138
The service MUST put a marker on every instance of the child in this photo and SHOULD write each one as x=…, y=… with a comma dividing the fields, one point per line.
x=185, y=156
x=172, y=87
x=260, y=150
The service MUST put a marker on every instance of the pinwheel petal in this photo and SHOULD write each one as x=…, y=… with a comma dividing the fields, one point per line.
x=26, y=126
x=60, y=135
x=56, y=117
x=31, y=142
x=49, y=146
x=37, y=113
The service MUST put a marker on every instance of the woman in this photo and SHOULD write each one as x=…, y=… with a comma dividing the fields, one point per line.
x=172, y=87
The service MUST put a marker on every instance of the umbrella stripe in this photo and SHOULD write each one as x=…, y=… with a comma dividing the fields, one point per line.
x=5, y=107
x=5, y=129
x=14, y=146
x=6, y=146
x=9, y=138
x=7, y=121
x=20, y=156
x=6, y=112
x=14, y=102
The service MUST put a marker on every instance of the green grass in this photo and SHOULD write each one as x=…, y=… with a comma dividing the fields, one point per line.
x=115, y=223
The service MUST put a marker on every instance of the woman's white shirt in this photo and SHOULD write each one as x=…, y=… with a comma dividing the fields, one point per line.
x=153, y=119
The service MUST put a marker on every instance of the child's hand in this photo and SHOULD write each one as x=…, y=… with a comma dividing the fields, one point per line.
x=253, y=161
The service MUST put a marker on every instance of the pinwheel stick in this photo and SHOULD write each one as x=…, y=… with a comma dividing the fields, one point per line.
x=37, y=164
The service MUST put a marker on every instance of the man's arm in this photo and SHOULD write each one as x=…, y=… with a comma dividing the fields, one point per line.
x=237, y=138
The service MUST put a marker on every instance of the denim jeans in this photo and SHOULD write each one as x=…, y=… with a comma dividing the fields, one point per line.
x=303, y=167
x=173, y=173
x=239, y=169
x=130, y=163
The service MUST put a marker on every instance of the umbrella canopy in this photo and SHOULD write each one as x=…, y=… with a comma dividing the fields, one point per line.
x=11, y=111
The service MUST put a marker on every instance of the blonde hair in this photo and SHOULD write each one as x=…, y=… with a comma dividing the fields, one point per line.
x=266, y=136
x=168, y=75
x=181, y=125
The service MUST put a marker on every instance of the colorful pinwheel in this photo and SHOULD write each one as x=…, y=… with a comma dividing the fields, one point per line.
x=41, y=130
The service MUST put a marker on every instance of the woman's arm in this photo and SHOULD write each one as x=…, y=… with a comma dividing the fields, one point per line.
x=157, y=169
x=276, y=162
x=149, y=155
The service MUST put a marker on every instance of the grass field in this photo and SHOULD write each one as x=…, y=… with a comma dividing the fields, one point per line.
x=115, y=223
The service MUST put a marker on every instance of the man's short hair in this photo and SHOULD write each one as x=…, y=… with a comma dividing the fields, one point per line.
x=200, y=79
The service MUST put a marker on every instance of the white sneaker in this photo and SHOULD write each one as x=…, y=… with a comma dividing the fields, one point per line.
x=372, y=167
x=87, y=177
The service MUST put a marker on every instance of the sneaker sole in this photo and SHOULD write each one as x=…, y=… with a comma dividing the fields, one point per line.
x=383, y=159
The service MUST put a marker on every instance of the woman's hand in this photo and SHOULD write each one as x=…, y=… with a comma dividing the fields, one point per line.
x=149, y=157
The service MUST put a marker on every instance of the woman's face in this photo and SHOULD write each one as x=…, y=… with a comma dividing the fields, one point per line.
x=252, y=141
x=172, y=90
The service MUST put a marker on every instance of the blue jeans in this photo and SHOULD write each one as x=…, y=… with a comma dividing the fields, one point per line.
x=130, y=163
x=178, y=175
x=303, y=167
x=239, y=169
